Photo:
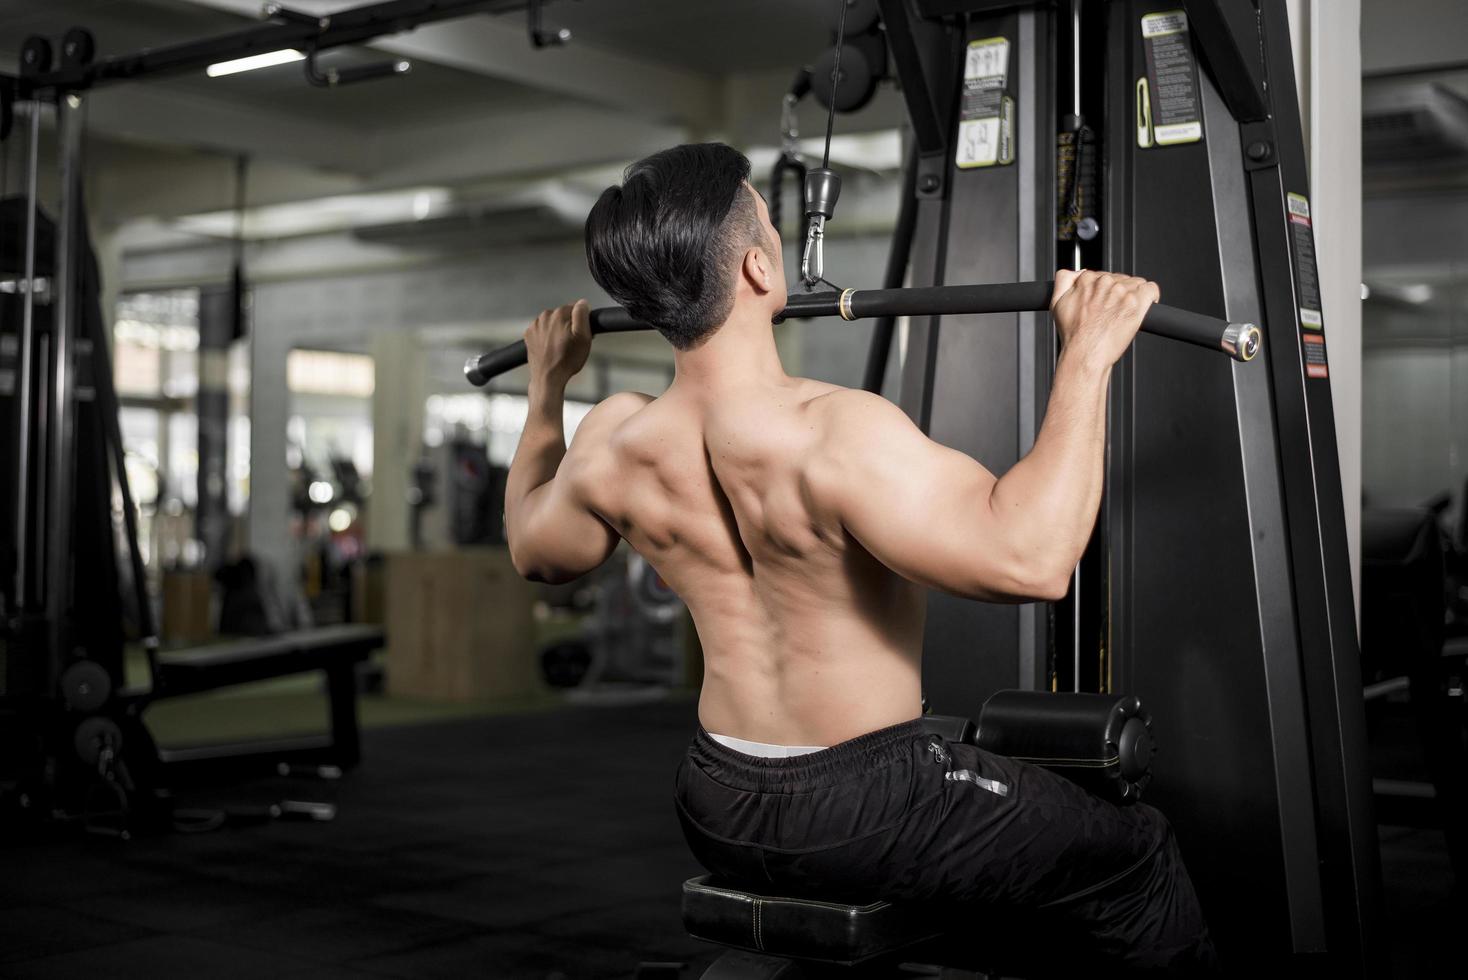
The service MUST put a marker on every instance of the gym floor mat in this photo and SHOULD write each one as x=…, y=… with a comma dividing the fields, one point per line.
x=495, y=846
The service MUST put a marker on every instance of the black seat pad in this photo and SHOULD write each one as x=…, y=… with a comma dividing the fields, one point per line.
x=802, y=928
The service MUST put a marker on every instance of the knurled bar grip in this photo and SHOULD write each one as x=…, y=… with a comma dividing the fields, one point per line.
x=1241, y=341
x=481, y=367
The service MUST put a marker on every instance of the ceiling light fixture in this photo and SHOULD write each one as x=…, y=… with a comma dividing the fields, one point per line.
x=267, y=60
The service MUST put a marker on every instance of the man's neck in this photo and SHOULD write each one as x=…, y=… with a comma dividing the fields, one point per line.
x=740, y=352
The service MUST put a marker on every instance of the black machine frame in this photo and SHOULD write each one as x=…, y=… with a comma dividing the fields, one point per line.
x=1220, y=479
x=1217, y=584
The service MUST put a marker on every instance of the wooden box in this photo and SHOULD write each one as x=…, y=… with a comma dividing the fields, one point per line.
x=460, y=626
x=187, y=607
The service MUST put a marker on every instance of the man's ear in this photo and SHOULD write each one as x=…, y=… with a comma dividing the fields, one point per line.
x=757, y=270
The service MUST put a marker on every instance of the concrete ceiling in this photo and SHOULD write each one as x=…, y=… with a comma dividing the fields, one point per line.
x=428, y=93
x=480, y=103
x=478, y=63
x=717, y=37
x=431, y=92
x=1397, y=34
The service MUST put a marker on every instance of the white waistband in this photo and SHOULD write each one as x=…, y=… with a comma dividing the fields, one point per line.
x=764, y=749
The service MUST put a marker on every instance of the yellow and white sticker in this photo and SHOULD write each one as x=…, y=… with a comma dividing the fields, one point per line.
x=1302, y=250
x=987, y=60
x=978, y=142
x=1165, y=23
x=1174, y=108
x=986, y=112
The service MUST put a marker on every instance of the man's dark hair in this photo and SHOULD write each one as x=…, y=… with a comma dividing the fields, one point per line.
x=663, y=242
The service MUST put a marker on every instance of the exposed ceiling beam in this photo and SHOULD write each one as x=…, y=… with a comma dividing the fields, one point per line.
x=127, y=181
x=165, y=182
x=296, y=160
x=155, y=115
x=513, y=145
x=498, y=47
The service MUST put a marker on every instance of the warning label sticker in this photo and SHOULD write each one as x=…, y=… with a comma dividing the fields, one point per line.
x=1302, y=249
x=1307, y=285
x=1172, y=77
x=1314, y=348
x=986, y=113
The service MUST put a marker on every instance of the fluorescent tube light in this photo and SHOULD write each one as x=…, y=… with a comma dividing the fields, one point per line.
x=270, y=58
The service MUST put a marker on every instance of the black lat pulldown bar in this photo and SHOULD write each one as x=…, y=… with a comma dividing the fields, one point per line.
x=1241, y=341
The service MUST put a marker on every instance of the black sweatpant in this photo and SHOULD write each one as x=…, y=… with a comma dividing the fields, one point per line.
x=902, y=815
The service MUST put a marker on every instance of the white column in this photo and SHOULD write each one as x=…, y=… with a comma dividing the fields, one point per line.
x=269, y=523
x=397, y=436
x=1326, y=37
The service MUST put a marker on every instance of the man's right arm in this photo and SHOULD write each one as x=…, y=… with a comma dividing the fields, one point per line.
x=939, y=518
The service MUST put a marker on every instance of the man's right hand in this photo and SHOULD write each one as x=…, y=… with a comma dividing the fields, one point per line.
x=1098, y=313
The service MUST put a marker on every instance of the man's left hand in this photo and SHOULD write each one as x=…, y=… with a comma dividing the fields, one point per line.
x=559, y=341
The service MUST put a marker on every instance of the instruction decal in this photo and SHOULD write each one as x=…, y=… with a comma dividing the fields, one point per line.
x=1302, y=249
x=986, y=113
x=1307, y=285
x=1314, y=349
x=1174, y=112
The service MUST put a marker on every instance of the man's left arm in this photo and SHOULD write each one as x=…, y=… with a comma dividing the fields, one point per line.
x=553, y=535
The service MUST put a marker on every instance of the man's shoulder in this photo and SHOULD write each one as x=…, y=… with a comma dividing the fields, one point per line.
x=591, y=462
x=852, y=411
x=850, y=430
x=598, y=430
x=612, y=411
x=623, y=403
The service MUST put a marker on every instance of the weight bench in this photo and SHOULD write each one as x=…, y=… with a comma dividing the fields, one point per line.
x=333, y=650
x=1101, y=741
x=769, y=932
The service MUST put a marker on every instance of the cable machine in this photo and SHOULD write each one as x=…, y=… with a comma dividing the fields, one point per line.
x=1140, y=137
x=75, y=745
x=1162, y=142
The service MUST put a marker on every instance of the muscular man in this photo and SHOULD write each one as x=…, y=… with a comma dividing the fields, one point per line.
x=802, y=522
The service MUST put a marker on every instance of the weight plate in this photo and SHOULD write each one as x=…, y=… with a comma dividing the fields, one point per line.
x=93, y=735
x=86, y=686
x=855, y=87
x=35, y=55
x=78, y=47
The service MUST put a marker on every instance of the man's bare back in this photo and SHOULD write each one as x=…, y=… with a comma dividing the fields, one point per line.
x=801, y=522
x=807, y=639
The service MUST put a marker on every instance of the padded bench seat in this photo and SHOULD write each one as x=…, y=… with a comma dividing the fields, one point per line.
x=206, y=668
x=333, y=650
x=801, y=928
x=1100, y=740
